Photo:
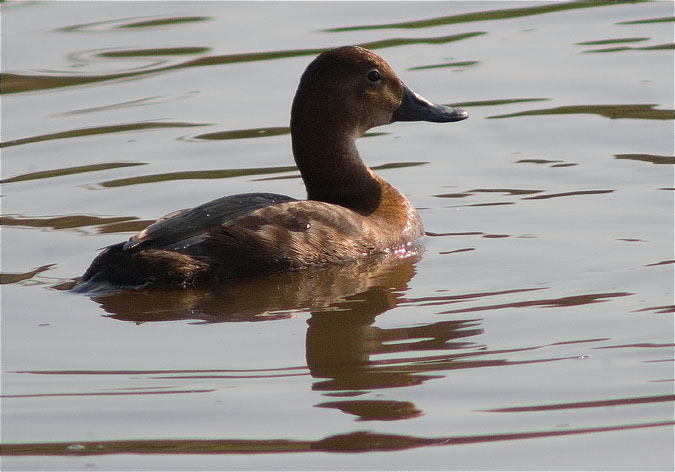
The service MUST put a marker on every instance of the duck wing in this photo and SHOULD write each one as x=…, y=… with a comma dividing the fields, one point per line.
x=183, y=228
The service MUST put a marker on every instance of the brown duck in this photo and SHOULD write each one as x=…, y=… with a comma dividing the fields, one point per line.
x=349, y=213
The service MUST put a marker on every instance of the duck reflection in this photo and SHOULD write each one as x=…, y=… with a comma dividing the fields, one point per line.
x=346, y=354
x=353, y=293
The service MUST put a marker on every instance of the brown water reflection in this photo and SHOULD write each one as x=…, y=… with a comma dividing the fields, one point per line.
x=354, y=293
x=106, y=224
x=359, y=441
x=341, y=341
x=568, y=194
x=13, y=277
x=553, y=162
x=102, y=225
x=346, y=353
x=654, y=159
x=636, y=112
x=377, y=410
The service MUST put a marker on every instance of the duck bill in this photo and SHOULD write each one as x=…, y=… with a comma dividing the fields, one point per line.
x=414, y=107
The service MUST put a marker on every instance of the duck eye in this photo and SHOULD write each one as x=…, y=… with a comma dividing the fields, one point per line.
x=373, y=75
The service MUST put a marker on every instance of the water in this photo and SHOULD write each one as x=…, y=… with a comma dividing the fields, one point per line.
x=536, y=332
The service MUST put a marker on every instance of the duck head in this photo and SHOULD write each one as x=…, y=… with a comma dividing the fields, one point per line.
x=354, y=89
x=342, y=94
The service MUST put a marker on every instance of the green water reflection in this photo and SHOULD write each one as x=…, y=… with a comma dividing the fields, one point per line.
x=154, y=52
x=447, y=64
x=665, y=19
x=611, y=41
x=658, y=47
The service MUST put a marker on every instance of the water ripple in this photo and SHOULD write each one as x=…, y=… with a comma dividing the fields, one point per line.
x=489, y=15
x=16, y=82
x=636, y=112
x=48, y=174
x=79, y=132
x=653, y=158
x=358, y=441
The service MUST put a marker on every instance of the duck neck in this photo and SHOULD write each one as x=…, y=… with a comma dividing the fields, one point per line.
x=332, y=169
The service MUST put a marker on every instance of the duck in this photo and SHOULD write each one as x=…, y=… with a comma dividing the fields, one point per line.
x=350, y=212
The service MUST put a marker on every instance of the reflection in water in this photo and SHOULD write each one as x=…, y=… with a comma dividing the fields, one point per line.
x=654, y=159
x=380, y=410
x=13, y=278
x=102, y=225
x=601, y=42
x=121, y=105
x=359, y=290
x=111, y=25
x=155, y=52
x=228, y=173
x=70, y=221
x=552, y=162
x=491, y=103
x=657, y=47
x=604, y=42
x=588, y=404
x=574, y=300
x=16, y=83
x=519, y=192
x=342, y=345
x=505, y=191
x=76, y=133
x=666, y=19
x=635, y=112
x=359, y=441
x=195, y=175
x=346, y=353
x=348, y=361
x=458, y=64
x=246, y=133
x=48, y=174
x=503, y=14
x=568, y=194
x=163, y=22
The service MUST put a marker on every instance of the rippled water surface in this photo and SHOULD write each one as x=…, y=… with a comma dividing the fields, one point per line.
x=536, y=332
